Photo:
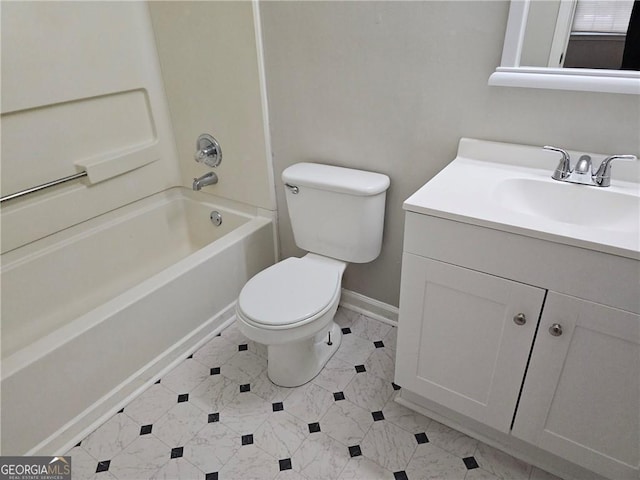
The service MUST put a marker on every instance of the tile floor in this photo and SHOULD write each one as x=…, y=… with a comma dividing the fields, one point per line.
x=217, y=416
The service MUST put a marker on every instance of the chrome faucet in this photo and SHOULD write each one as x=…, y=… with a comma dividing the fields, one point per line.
x=208, y=151
x=208, y=178
x=583, y=173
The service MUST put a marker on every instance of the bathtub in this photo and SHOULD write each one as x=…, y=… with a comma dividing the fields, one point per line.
x=95, y=313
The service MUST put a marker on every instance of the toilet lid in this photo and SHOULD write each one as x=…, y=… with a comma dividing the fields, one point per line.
x=289, y=292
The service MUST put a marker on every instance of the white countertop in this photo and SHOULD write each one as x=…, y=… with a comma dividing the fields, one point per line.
x=486, y=183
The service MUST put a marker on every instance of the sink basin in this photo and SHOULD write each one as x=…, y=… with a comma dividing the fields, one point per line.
x=569, y=203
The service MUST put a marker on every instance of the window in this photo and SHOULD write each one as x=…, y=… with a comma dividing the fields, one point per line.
x=602, y=16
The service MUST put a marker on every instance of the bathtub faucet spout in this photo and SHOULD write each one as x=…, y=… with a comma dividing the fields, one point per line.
x=208, y=178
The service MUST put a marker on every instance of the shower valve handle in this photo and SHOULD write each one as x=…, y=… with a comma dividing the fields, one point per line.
x=208, y=151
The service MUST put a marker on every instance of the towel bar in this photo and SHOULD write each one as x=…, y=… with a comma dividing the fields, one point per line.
x=43, y=186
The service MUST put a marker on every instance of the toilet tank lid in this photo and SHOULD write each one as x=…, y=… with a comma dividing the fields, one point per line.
x=335, y=179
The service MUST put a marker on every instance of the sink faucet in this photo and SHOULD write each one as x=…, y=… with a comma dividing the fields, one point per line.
x=208, y=178
x=583, y=172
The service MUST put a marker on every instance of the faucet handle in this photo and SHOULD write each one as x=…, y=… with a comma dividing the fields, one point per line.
x=602, y=177
x=563, y=170
x=208, y=151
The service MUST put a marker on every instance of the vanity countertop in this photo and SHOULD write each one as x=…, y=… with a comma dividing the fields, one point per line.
x=509, y=187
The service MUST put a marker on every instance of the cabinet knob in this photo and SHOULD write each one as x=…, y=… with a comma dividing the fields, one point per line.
x=520, y=319
x=555, y=329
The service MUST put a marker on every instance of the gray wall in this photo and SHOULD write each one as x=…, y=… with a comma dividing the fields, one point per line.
x=392, y=86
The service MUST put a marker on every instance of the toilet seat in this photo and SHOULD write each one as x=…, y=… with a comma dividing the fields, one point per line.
x=290, y=293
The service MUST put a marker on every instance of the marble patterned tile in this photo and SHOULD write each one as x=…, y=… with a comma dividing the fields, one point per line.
x=345, y=317
x=180, y=424
x=290, y=475
x=403, y=417
x=354, y=350
x=335, y=376
x=381, y=363
x=369, y=329
x=100, y=476
x=233, y=335
x=186, y=376
x=111, y=437
x=151, y=404
x=537, y=474
x=141, y=459
x=369, y=391
x=250, y=463
x=451, y=440
x=479, y=474
x=178, y=468
x=309, y=402
x=214, y=393
x=85, y=468
x=246, y=413
x=320, y=457
x=390, y=339
x=500, y=464
x=212, y=447
x=432, y=463
x=267, y=390
x=83, y=465
x=216, y=352
x=389, y=445
x=346, y=422
x=361, y=468
x=281, y=434
x=244, y=367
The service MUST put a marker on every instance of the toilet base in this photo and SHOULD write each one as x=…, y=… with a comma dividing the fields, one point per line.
x=296, y=363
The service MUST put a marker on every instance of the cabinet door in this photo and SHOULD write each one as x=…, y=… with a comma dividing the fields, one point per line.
x=458, y=343
x=581, y=395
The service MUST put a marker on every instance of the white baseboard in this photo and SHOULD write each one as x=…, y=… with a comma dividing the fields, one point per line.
x=370, y=307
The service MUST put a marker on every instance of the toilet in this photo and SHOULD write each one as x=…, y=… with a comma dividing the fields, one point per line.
x=337, y=215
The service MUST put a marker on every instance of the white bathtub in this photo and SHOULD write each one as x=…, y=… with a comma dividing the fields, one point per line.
x=93, y=314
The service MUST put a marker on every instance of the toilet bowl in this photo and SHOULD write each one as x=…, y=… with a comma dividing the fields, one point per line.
x=290, y=308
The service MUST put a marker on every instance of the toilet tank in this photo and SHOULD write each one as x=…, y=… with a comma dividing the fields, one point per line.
x=336, y=212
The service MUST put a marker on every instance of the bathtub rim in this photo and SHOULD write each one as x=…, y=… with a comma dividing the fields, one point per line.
x=14, y=257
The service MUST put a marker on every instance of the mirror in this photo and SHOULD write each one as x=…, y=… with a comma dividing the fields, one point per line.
x=529, y=50
x=581, y=34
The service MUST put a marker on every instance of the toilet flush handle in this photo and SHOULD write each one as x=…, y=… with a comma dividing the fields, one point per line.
x=293, y=188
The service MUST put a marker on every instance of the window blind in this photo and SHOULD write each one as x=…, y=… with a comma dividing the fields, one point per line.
x=603, y=16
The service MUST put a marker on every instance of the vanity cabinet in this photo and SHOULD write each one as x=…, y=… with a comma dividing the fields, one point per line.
x=581, y=394
x=466, y=338
x=484, y=335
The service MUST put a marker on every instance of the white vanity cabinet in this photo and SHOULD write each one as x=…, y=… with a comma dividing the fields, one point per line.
x=482, y=334
x=519, y=314
x=581, y=394
x=466, y=338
